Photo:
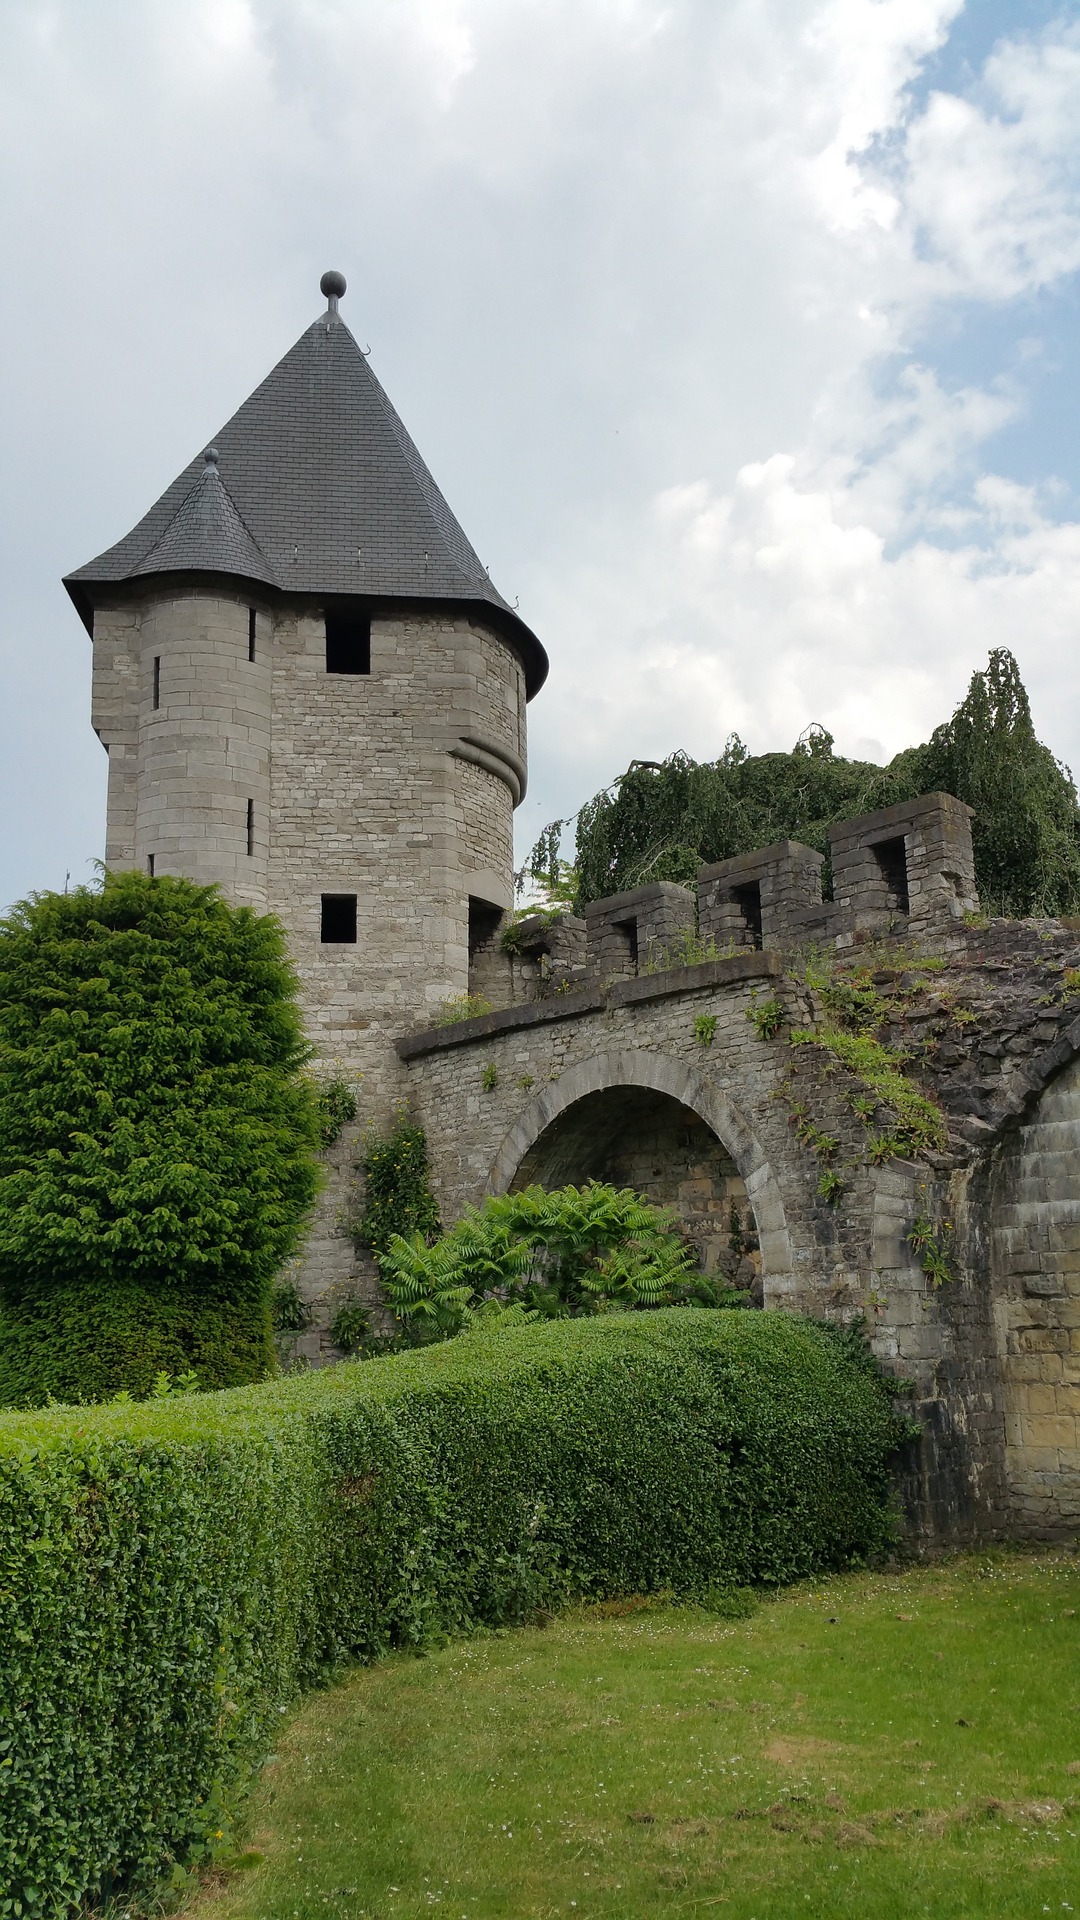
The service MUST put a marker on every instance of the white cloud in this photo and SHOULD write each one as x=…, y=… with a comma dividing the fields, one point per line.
x=654, y=283
x=991, y=183
x=771, y=606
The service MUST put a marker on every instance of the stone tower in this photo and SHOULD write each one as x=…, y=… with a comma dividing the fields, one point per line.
x=311, y=692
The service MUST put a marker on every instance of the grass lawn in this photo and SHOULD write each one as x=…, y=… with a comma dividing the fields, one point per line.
x=876, y=1745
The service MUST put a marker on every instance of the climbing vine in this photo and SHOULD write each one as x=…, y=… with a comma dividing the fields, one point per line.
x=397, y=1190
x=335, y=1105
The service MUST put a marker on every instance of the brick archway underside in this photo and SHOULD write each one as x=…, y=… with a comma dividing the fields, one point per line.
x=659, y=1074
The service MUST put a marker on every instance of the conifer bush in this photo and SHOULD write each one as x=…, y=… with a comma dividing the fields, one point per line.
x=173, y=1572
x=157, y=1138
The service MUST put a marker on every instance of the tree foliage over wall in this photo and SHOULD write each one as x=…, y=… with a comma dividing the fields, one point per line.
x=157, y=1138
x=662, y=822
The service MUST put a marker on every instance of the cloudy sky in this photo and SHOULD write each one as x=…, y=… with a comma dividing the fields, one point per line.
x=740, y=334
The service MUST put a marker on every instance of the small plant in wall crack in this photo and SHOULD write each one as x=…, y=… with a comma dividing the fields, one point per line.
x=883, y=1147
x=811, y=1135
x=335, y=1104
x=767, y=1017
x=934, y=1245
x=736, y=1236
x=830, y=1186
x=464, y=1006
x=289, y=1313
x=705, y=1029
x=489, y=1079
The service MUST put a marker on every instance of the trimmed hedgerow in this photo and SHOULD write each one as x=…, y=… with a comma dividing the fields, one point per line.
x=172, y=1573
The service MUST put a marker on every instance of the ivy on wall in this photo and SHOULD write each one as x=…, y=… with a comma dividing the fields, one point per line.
x=397, y=1187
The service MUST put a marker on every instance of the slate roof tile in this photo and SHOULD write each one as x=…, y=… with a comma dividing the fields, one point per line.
x=319, y=489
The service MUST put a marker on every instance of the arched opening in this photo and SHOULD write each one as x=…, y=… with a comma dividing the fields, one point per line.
x=640, y=1138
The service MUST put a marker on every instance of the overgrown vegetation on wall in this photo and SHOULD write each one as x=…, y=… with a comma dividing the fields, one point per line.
x=157, y=1138
x=899, y=1117
x=662, y=823
x=397, y=1187
x=175, y=1572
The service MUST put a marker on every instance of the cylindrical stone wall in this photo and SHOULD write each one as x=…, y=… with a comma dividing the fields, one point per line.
x=371, y=798
x=1035, y=1247
x=202, y=782
x=392, y=790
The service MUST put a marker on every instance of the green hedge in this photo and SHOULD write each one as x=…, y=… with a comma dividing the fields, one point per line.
x=173, y=1573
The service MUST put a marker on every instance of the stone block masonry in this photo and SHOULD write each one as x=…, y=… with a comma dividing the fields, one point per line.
x=344, y=785
x=617, y=1079
x=236, y=756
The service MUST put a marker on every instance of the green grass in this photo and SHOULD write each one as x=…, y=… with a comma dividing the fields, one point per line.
x=880, y=1745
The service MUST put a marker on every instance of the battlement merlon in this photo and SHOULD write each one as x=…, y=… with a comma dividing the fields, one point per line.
x=770, y=898
x=906, y=871
x=909, y=868
x=629, y=932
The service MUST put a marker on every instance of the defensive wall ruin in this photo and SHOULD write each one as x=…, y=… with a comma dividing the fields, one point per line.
x=605, y=1060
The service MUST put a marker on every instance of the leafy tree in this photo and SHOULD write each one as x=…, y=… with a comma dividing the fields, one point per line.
x=575, y=1251
x=661, y=822
x=1026, y=828
x=157, y=1138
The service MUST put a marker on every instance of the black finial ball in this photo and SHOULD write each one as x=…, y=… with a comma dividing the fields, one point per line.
x=211, y=456
x=333, y=285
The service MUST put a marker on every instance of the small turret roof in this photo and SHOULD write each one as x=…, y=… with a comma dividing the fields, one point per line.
x=207, y=533
x=318, y=489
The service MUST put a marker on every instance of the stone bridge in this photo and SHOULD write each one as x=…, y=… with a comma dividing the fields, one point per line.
x=662, y=1080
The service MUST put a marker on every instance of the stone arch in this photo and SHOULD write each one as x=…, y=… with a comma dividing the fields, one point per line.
x=660, y=1073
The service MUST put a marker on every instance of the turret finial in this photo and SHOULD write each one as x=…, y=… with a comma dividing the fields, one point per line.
x=210, y=458
x=333, y=284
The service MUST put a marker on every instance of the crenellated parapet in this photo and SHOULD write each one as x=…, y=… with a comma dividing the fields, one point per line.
x=906, y=873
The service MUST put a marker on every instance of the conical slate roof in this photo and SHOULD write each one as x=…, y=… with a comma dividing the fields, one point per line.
x=317, y=489
x=207, y=533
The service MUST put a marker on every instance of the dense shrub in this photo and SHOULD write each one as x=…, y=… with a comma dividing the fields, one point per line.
x=157, y=1138
x=172, y=1573
x=570, y=1251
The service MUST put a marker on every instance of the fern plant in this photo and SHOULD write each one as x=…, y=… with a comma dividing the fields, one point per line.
x=580, y=1250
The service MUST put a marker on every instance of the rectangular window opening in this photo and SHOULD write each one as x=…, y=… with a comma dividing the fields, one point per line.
x=251, y=826
x=484, y=923
x=891, y=857
x=748, y=901
x=338, y=920
x=150, y=865
x=157, y=680
x=348, y=642
x=627, y=932
x=251, y=633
